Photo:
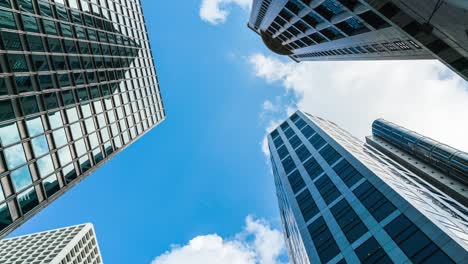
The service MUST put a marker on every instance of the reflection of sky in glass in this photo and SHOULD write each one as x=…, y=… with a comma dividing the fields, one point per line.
x=72, y=115
x=76, y=131
x=89, y=125
x=21, y=178
x=40, y=146
x=93, y=140
x=45, y=165
x=86, y=110
x=60, y=137
x=9, y=134
x=14, y=156
x=34, y=126
x=80, y=147
x=64, y=156
x=55, y=120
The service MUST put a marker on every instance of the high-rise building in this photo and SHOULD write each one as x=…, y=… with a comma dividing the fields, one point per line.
x=74, y=244
x=77, y=86
x=344, y=201
x=315, y=30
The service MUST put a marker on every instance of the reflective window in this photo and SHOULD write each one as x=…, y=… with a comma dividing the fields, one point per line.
x=76, y=131
x=377, y=204
x=72, y=115
x=93, y=140
x=5, y=217
x=28, y=200
x=40, y=146
x=327, y=189
x=69, y=173
x=60, y=137
x=9, y=134
x=64, y=156
x=45, y=166
x=21, y=178
x=51, y=185
x=14, y=156
x=371, y=252
x=7, y=20
x=323, y=240
x=55, y=120
x=296, y=181
x=350, y=223
x=34, y=126
x=80, y=147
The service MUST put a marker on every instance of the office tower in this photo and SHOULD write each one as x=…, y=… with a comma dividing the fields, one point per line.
x=74, y=244
x=316, y=30
x=77, y=86
x=343, y=201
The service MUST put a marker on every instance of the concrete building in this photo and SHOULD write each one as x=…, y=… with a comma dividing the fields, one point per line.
x=344, y=201
x=69, y=245
x=316, y=30
x=77, y=86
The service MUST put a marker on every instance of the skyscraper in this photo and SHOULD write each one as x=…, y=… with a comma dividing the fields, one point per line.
x=343, y=201
x=74, y=244
x=315, y=30
x=77, y=86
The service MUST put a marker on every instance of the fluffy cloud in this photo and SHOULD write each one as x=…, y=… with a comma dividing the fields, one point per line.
x=216, y=11
x=257, y=243
x=424, y=96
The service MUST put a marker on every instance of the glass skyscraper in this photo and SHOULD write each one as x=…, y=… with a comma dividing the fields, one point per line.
x=344, y=201
x=77, y=85
x=69, y=245
x=315, y=30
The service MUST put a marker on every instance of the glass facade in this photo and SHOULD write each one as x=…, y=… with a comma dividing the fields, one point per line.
x=77, y=85
x=352, y=204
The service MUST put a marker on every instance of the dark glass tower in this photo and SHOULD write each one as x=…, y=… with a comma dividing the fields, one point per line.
x=77, y=85
x=315, y=30
x=344, y=201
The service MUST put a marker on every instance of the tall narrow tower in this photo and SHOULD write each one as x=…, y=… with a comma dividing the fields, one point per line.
x=77, y=86
x=315, y=30
x=344, y=201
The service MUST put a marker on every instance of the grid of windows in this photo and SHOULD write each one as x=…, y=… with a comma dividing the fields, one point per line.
x=77, y=84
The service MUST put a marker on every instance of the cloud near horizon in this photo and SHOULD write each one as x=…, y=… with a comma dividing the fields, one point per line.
x=216, y=11
x=256, y=243
x=424, y=96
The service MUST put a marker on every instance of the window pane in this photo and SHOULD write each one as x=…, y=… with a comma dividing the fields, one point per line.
x=21, y=178
x=69, y=173
x=28, y=200
x=34, y=126
x=7, y=20
x=9, y=134
x=55, y=120
x=60, y=137
x=14, y=156
x=45, y=166
x=51, y=185
x=29, y=105
x=64, y=156
x=11, y=41
x=5, y=217
x=17, y=63
x=6, y=110
x=40, y=146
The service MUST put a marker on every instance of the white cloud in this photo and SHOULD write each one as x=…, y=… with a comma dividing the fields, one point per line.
x=257, y=243
x=423, y=96
x=217, y=11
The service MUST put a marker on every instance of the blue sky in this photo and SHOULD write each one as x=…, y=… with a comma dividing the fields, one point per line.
x=203, y=171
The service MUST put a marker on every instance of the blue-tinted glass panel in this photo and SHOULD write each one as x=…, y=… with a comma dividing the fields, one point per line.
x=14, y=156
x=303, y=153
x=51, y=185
x=9, y=134
x=371, y=252
x=34, y=126
x=317, y=141
x=295, y=141
x=377, y=204
x=347, y=172
x=327, y=189
x=307, y=205
x=296, y=181
x=283, y=152
x=330, y=154
x=307, y=131
x=323, y=240
x=313, y=168
x=45, y=166
x=40, y=146
x=5, y=217
x=348, y=220
x=288, y=165
x=28, y=200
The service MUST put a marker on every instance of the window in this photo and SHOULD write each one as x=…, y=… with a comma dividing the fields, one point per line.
x=307, y=205
x=23, y=84
x=416, y=245
x=14, y=156
x=283, y=152
x=7, y=20
x=323, y=240
x=348, y=220
x=327, y=189
x=9, y=134
x=307, y=131
x=5, y=217
x=288, y=165
x=313, y=168
x=45, y=166
x=34, y=126
x=330, y=154
x=296, y=181
x=35, y=43
x=377, y=204
x=21, y=178
x=39, y=146
x=17, y=62
x=295, y=141
x=278, y=142
x=347, y=173
x=303, y=153
x=317, y=141
x=371, y=252
x=51, y=185
x=11, y=41
x=28, y=200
